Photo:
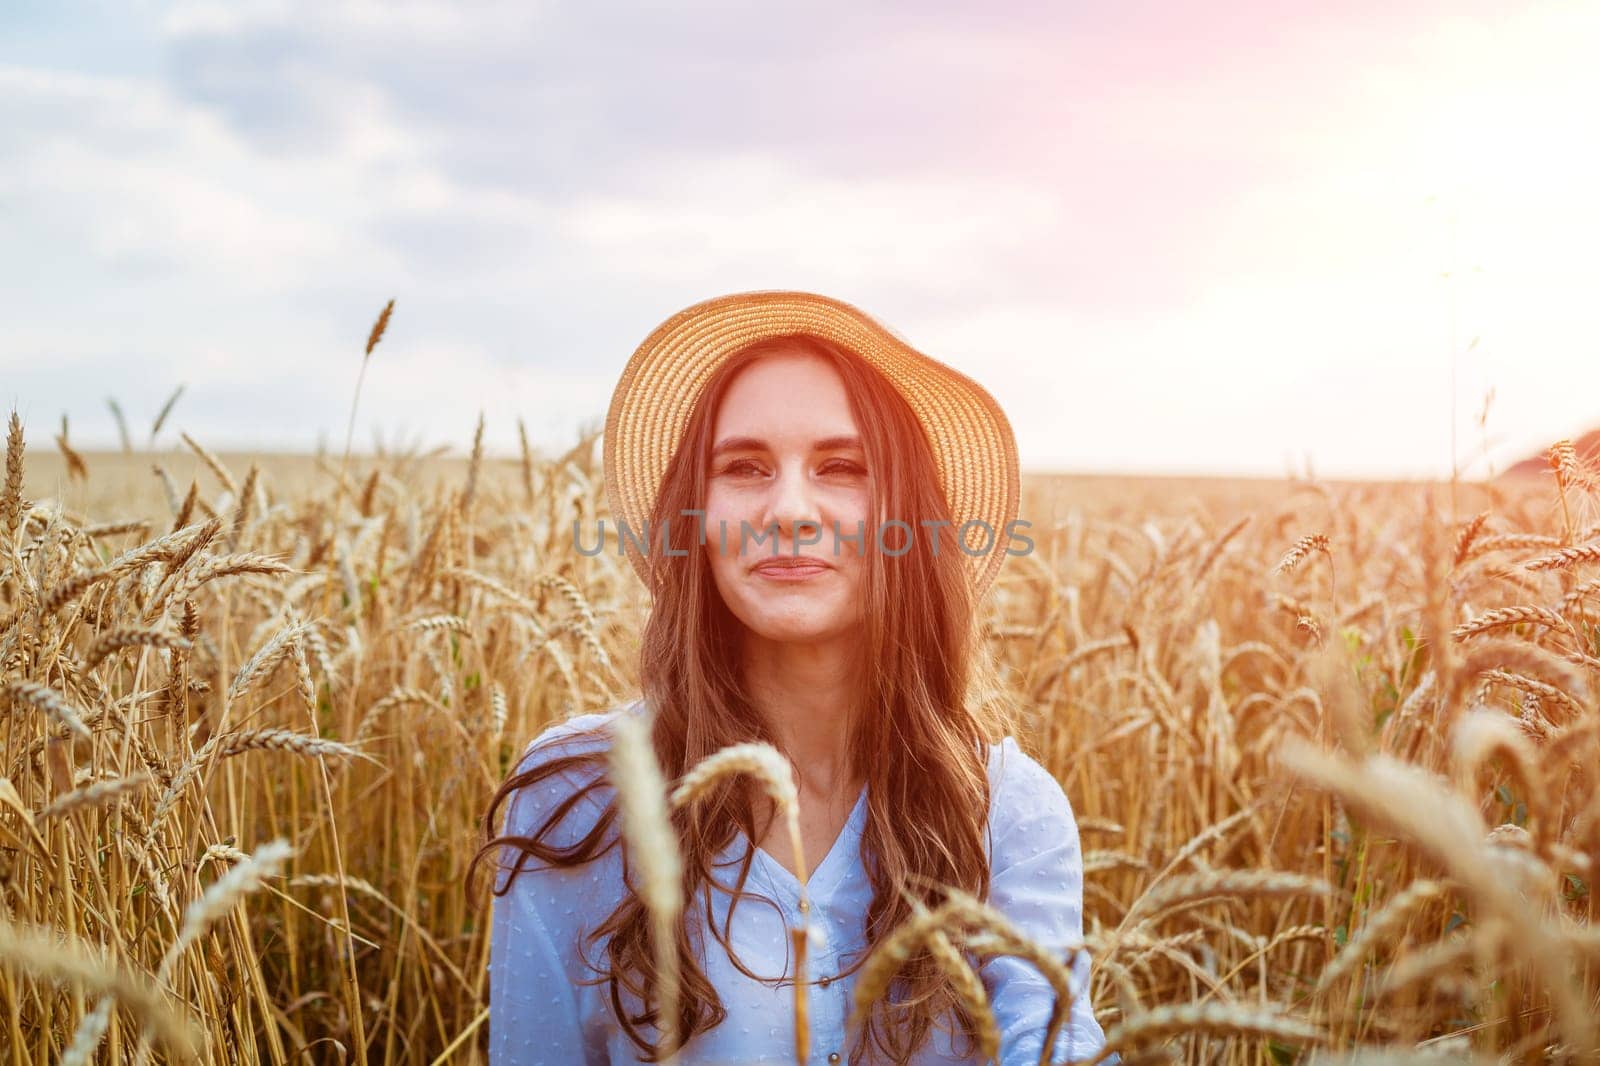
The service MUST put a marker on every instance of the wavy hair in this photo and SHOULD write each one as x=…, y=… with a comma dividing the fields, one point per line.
x=920, y=743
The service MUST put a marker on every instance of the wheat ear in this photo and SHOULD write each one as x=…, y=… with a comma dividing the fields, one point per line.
x=1501, y=617
x=1565, y=557
x=48, y=700
x=1314, y=542
x=99, y=793
x=764, y=763
x=1211, y=1019
x=219, y=899
x=969, y=990
x=1443, y=825
x=117, y=639
x=1377, y=927
x=641, y=795
x=45, y=955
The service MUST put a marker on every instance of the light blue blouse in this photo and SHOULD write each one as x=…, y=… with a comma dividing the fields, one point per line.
x=542, y=1011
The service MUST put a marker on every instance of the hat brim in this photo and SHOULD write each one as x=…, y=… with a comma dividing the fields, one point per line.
x=974, y=449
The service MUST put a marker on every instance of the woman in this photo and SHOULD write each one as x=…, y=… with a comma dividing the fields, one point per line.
x=792, y=481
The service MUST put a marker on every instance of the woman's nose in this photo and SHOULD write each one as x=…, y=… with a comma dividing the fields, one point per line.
x=792, y=501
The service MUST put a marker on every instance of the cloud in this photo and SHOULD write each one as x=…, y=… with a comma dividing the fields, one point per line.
x=1168, y=235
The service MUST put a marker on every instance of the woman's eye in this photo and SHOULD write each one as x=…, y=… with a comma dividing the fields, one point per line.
x=750, y=468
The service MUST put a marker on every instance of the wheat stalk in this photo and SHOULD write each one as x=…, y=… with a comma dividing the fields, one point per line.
x=1208, y=1019
x=224, y=745
x=1378, y=927
x=162, y=548
x=992, y=934
x=1231, y=884
x=241, y=513
x=1528, y=659
x=213, y=464
x=891, y=953
x=110, y=529
x=1442, y=957
x=241, y=879
x=764, y=763
x=474, y=465
x=47, y=956
x=1449, y=830
x=396, y=698
x=280, y=740
x=498, y=711
x=87, y=1037
x=995, y=936
x=588, y=628
x=1098, y=861
x=70, y=589
x=969, y=990
x=641, y=795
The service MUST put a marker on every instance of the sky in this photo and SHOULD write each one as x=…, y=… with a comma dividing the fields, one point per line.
x=1254, y=238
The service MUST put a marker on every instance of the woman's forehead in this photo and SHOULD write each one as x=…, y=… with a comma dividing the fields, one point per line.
x=787, y=367
x=795, y=396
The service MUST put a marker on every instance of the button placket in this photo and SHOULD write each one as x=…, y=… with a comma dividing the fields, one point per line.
x=820, y=963
x=829, y=1001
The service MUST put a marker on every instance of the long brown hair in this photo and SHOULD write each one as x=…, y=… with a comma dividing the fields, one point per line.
x=921, y=744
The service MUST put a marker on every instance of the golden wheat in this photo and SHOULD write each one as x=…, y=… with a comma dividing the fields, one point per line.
x=1212, y=1019
x=45, y=955
x=1159, y=681
x=1313, y=542
x=641, y=793
x=764, y=763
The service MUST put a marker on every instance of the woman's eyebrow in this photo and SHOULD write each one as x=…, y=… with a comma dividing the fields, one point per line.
x=753, y=444
x=738, y=444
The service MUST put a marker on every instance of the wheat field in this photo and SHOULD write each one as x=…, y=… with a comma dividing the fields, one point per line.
x=1331, y=748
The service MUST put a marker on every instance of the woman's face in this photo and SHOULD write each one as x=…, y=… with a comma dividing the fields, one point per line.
x=786, y=465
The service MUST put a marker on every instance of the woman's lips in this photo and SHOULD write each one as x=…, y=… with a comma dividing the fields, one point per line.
x=787, y=571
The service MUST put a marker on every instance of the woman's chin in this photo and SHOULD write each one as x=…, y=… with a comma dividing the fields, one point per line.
x=800, y=630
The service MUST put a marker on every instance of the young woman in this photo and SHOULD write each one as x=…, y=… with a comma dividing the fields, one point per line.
x=824, y=506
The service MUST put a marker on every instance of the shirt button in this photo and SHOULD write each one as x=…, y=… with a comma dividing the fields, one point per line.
x=824, y=982
x=833, y=1056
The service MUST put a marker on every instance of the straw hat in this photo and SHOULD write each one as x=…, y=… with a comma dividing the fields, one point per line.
x=973, y=446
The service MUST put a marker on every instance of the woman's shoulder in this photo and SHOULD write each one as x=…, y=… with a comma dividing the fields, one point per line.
x=1015, y=774
x=580, y=743
x=581, y=734
x=1024, y=795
